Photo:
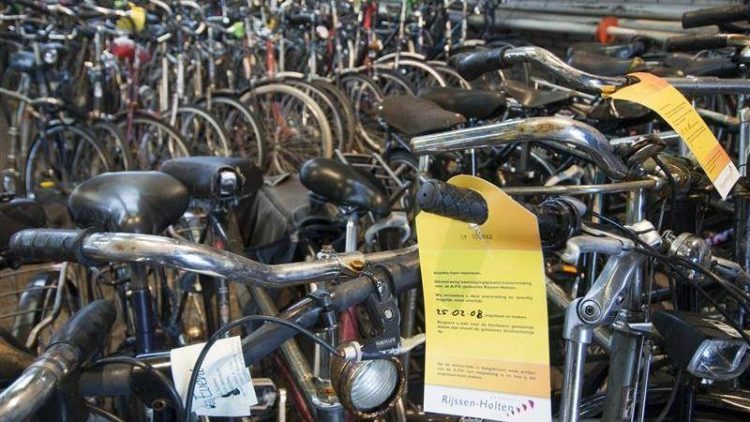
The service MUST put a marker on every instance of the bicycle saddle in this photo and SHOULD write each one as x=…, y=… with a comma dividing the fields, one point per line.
x=599, y=64
x=618, y=111
x=342, y=184
x=202, y=175
x=472, y=104
x=417, y=116
x=620, y=51
x=144, y=202
x=534, y=98
x=687, y=64
x=17, y=215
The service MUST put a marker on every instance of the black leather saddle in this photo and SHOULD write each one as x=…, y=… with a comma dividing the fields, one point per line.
x=617, y=110
x=145, y=202
x=202, y=176
x=341, y=184
x=416, y=116
x=603, y=65
x=620, y=51
x=534, y=98
x=470, y=103
x=686, y=64
x=17, y=215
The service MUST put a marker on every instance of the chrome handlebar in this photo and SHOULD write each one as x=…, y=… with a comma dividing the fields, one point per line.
x=547, y=130
x=202, y=259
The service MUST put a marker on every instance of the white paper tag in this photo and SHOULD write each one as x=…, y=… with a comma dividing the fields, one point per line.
x=224, y=386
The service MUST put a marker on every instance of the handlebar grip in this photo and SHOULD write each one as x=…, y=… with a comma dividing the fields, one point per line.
x=47, y=244
x=88, y=328
x=473, y=65
x=696, y=42
x=452, y=201
x=715, y=16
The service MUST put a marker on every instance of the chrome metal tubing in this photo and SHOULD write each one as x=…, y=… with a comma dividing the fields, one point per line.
x=575, y=359
x=574, y=190
x=547, y=130
x=710, y=85
x=30, y=391
x=569, y=76
x=201, y=259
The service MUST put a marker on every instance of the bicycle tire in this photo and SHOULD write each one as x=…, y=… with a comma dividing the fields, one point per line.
x=67, y=184
x=284, y=153
x=240, y=121
x=324, y=100
x=365, y=95
x=143, y=158
x=115, y=141
x=207, y=138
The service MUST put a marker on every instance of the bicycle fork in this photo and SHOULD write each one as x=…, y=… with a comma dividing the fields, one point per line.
x=601, y=306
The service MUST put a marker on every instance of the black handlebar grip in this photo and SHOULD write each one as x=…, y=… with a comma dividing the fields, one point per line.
x=46, y=245
x=452, y=201
x=696, y=42
x=715, y=16
x=473, y=65
x=88, y=328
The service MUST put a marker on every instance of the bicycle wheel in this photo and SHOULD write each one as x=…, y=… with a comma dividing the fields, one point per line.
x=393, y=83
x=203, y=134
x=365, y=96
x=296, y=126
x=329, y=107
x=151, y=141
x=450, y=75
x=61, y=157
x=244, y=128
x=419, y=73
x=112, y=139
x=344, y=107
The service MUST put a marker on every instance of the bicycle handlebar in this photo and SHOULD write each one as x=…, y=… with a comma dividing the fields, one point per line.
x=473, y=65
x=548, y=130
x=86, y=248
x=715, y=16
x=72, y=345
x=558, y=218
x=695, y=42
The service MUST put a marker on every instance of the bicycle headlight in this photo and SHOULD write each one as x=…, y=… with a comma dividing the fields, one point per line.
x=367, y=388
x=706, y=348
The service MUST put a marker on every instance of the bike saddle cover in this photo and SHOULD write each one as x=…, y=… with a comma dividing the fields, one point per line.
x=125, y=48
x=202, y=175
x=342, y=184
x=617, y=110
x=620, y=51
x=416, y=116
x=599, y=64
x=17, y=215
x=472, y=104
x=687, y=64
x=534, y=98
x=144, y=202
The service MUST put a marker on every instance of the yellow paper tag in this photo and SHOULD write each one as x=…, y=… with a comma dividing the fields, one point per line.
x=486, y=312
x=658, y=95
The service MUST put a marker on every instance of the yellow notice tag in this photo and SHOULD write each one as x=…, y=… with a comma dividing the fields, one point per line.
x=486, y=312
x=658, y=95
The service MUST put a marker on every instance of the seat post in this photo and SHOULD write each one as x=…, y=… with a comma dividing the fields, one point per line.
x=143, y=312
